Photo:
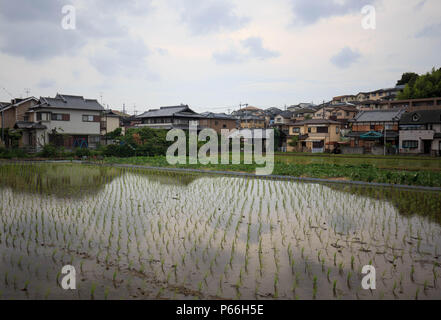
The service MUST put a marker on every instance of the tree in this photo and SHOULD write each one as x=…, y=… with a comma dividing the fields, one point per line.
x=425, y=86
x=407, y=77
x=294, y=141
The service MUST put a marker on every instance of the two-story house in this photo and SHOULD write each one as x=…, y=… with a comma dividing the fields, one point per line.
x=373, y=130
x=420, y=132
x=174, y=117
x=70, y=121
x=314, y=135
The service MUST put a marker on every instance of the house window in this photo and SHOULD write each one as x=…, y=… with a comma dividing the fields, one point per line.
x=309, y=130
x=43, y=116
x=410, y=144
x=296, y=130
x=337, y=130
x=322, y=130
x=87, y=118
x=94, y=139
x=60, y=117
x=224, y=126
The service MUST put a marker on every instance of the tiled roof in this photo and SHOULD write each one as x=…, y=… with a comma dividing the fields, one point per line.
x=62, y=101
x=173, y=111
x=421, y=117
x=379, y=115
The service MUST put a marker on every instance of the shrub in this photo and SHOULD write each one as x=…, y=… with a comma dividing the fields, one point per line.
x=82, y=152
x=50, y=151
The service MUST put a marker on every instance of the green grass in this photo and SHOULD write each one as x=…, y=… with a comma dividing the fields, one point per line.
x=360, y=172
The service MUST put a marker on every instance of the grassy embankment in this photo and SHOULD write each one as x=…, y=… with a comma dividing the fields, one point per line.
x=355, y=172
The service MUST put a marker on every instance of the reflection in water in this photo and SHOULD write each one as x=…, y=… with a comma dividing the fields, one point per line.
x=150, y=234
x=408, y=202
x=73, y=180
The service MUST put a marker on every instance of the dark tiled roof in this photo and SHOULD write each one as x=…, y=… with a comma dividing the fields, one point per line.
x=212, y=115
x=421, y=117
x=173, y=111
x=379, y=115
x=286, y=114
x=62, y=101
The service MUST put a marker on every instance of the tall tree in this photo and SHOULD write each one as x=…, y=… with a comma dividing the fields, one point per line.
x=425, y=86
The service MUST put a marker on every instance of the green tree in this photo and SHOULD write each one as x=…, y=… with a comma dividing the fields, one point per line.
x=425, y=86
x=407, y=77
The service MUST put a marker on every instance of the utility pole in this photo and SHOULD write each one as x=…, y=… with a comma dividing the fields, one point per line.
x=27, y=91
x=385, y=139
x=3, y=124
x=134, y=110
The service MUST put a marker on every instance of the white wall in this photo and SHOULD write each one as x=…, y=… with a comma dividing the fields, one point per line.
x=75, y=126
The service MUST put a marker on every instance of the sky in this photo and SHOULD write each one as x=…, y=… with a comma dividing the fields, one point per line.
x=212, y=54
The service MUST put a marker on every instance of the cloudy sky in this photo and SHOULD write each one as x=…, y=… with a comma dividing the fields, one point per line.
x=213, y=54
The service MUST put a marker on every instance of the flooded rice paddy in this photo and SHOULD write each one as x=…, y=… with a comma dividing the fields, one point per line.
x=137, y=234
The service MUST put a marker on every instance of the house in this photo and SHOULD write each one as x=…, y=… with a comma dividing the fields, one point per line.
x=314, y=135
x=341, y=112
x=218, y=121
x=373, y=130
x=65, y=120
x=413, y=104
x=283, y=118
x=173, y=117
x=110, y=121
x=71, y=121
x=381, y=94
x=343, y=99
x=303, y=114
x=15, y=111
x=420, y=132
x=251, y=122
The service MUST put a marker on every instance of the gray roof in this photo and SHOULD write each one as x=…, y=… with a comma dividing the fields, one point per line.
x=174, y=111
x=212, y=115
x=379, y=115
x=421, y=117
x=62, y=101
x=286, y=114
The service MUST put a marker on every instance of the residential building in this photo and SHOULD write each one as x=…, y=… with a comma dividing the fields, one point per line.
x=413, y=104
x=314, y=135
x=174, y=117
x=218, y=121
x=71, y=121
x=283, y=118
x=420, y=132
x=251, y=122
x=373, y=130
x=343, y=99
x=15, y=111
x=303, y=114
x=65, y=120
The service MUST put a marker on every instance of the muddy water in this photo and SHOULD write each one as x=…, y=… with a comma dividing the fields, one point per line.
x=134, y=234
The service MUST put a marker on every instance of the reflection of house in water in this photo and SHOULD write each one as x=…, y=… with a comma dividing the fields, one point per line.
x=64, y=181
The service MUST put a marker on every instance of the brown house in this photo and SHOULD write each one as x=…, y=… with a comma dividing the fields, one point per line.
x=218, y=121
x=17, y=112
x=373, y=130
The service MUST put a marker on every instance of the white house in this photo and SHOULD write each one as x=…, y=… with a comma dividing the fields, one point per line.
x=66, y=120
